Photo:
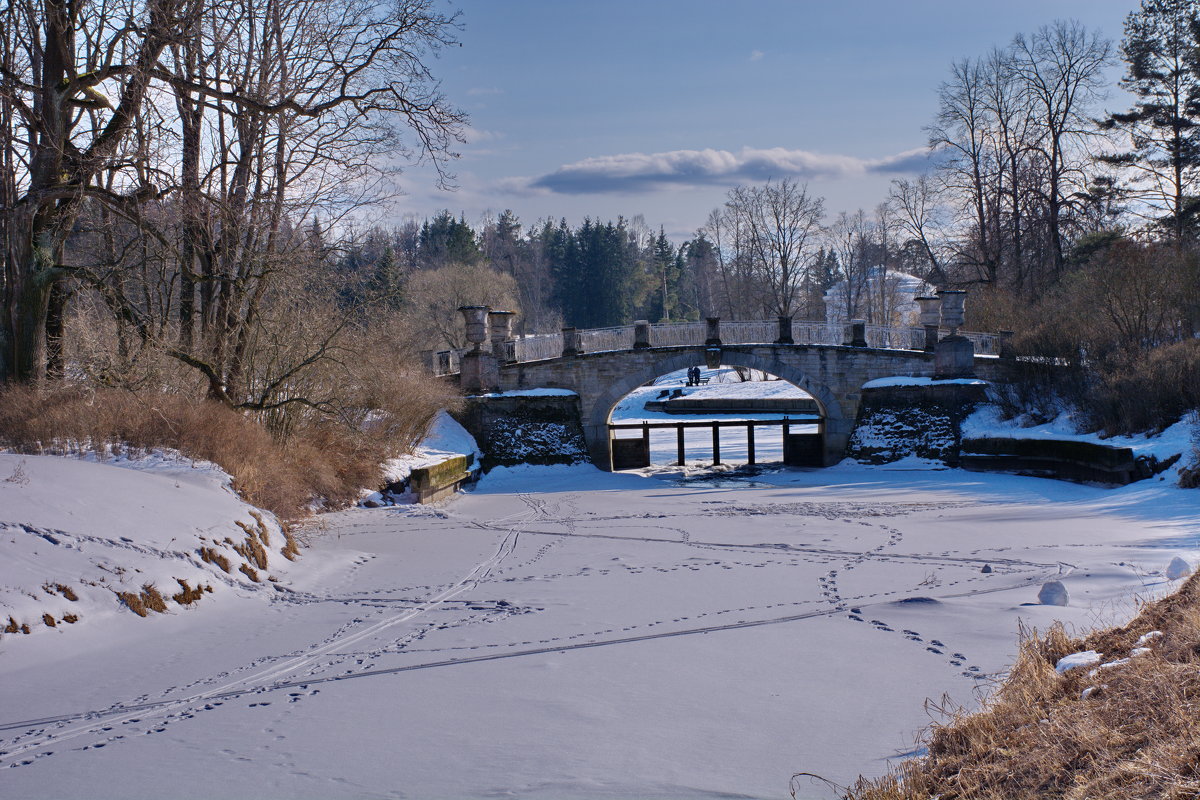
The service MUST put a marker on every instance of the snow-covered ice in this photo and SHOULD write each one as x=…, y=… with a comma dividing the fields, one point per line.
x=559, y=632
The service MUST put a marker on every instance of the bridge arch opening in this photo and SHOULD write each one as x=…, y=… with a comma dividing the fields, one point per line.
x=660, y=415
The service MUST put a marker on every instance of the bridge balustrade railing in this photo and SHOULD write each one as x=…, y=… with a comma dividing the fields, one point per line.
x=690, y=334
x=747, y=332
x=539, y=346
x=986, y=344
x=677, y=334
x=598, y=340
x=817, y=332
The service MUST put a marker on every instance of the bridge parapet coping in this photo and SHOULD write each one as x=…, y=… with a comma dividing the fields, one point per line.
x=579, y=342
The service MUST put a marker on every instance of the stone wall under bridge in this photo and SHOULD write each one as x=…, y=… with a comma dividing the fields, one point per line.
x=832, y=374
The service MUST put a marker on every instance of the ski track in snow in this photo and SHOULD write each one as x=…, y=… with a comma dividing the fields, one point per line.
x=329, y=660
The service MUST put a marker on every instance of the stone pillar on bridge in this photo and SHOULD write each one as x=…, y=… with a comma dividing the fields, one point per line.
x=931, y=319
x=955, y=355
x=857, y=333
x=500, y=325
x=714, y=332
x=570, y=342
x=712, y=343
x=478, y=370
x=641, y=334
x=785, y=331
x=1005, y=350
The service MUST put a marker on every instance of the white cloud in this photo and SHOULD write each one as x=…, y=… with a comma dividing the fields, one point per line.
x=477, y=135
x=633, y=172
x=484, y=91
x=756, y=55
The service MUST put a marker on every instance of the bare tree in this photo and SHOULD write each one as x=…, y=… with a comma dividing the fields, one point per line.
x=961, y=132
x=1061, y=68
x=847, y=239
x=918, y=215
x=780, y=222
x=73, y=77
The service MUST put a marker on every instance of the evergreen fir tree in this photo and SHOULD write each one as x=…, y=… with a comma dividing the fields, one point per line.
x=445, y=240
x=386, y=281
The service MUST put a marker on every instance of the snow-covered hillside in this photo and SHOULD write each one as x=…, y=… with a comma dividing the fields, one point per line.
x=84, y=541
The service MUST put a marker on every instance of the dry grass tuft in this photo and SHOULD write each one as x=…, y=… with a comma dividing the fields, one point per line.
x=290, y=549
x=49, y=620
x=211, y=556
x=251, y=549
x=149, y=599
x=1134, y=736
x=153, y=599
x=263, y=533
x=59, y=588
x=70, y=619
x=187, y=595
x=133, y=602
x=249, y=572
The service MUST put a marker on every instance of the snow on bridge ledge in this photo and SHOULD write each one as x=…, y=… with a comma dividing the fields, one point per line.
x=905, y=380
x=542, y=392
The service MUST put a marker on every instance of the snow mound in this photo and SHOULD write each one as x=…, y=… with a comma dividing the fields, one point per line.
x=1054, y=594
x=1178, y=568
x=1088, y=658
x=84, y=540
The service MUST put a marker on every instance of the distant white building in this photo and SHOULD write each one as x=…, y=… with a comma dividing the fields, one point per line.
x=881, y=297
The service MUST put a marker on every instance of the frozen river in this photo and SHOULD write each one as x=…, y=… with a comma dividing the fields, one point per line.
x=566, y=633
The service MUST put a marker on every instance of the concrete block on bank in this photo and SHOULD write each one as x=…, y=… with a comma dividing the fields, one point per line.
x=438, y=481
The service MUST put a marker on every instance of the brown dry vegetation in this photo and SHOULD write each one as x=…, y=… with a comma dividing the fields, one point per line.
x=252, y=550
x=211, y=556
x=1136, y=736
x=187, y=595
x=319, y=461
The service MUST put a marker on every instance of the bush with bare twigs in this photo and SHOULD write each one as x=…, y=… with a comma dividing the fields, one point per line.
x=1130, y=731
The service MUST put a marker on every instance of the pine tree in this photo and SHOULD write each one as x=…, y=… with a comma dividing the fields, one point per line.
x=1163, y=73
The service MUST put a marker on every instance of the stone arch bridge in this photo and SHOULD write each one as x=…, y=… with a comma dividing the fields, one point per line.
x=603, y=366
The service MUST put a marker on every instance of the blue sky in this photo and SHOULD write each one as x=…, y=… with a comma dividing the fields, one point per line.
x=658, y=107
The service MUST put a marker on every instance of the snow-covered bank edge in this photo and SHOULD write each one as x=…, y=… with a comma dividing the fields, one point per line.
x=88, y=540
x=1181, y=439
